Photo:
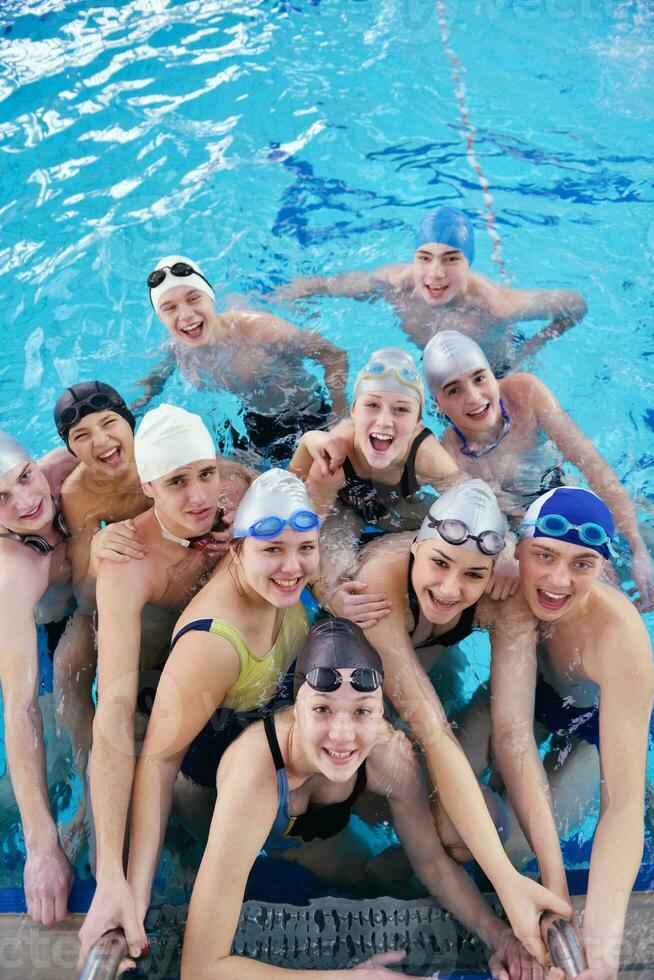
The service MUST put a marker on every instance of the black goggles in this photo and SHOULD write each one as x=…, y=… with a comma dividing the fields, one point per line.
x=180, y=269
x=38, y=543
x=100, y=401
x=326, y=679
x=456, y=532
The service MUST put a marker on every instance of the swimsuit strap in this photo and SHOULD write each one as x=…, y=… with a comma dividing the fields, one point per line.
x=348, y=469
x=273, y=744
x=478, y=453
x=360, y=784
x=414, y=605
x=203, y=625
x=409, y=484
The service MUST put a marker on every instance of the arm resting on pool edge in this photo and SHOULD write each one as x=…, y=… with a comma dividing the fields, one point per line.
x=625, y=674
x=47, y=875
x=197, y=676
x=513, y=682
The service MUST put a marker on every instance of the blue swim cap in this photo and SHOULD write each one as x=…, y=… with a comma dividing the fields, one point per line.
x=571, y=514
x=447, y=226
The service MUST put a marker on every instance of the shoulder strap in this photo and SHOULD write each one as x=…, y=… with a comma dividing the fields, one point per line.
x=414, y=605
x=348, y=469
x=409, y=484
x=273, y=744
x=202, y=625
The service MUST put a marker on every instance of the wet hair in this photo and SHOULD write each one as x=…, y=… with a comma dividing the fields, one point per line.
x=335, y=643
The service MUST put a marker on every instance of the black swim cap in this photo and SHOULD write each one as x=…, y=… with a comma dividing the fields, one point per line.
x=335, y=643
x=84, y=399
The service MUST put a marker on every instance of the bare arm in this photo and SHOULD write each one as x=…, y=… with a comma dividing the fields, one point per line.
x=195, y=680
x=626, y=678
x=47, y=875
x=155, y=382
x=580, y=451
x=359, y=284
x=413, y=694
x=123, y=591
x=513, y=682
x=563, y=307
x=435, y=466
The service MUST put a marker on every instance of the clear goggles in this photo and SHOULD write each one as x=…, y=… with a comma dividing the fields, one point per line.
x=326, y=679
x=376, y=370
x=270, y=527
x=557, y=526
x=457, y=532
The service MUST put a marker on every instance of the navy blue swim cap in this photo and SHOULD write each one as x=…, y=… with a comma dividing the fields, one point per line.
x=571, y=514
x=447, y=226
x=335, y=643
x=84, y=399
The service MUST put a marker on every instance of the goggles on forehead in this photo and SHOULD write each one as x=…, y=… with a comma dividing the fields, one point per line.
x=457, y=532
x=270, y=527
x=557, y=526
x=179, y=269
x=376, y=370
x=327, y=679
x=99, y=401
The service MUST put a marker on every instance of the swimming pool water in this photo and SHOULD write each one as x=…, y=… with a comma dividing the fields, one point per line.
x=270, y=139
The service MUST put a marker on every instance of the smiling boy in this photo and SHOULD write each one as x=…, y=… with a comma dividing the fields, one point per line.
x=256, y=356
x=438, y=291
x=573, y=652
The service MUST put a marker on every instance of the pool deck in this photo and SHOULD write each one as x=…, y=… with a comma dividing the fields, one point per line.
x=30, y=953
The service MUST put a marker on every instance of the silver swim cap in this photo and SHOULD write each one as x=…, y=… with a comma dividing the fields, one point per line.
x=167, y=438
x=275, y=499
x=11, y=453
x=469, y=515
x=447, y=356
x=393, y=370
x=192, y=280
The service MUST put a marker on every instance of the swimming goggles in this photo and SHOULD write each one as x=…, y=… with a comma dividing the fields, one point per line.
x=270, y=527
x=179, y=269
x=457, y=532
x=477, y=453
x=557, y=526
x=376, y=370
x=99, y=401
x=327, y=679
x=38, y=543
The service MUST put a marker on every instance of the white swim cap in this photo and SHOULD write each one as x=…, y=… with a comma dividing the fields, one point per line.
x=169, y=437
x=469, y=515
x=11, y=453
x=192, y=280
x=275, y=494
x=391, y=369
x=447, y=356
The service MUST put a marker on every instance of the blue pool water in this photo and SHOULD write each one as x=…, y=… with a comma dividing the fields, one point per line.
x=270, y=139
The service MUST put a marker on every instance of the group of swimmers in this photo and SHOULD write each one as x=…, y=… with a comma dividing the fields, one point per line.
x=175, y=576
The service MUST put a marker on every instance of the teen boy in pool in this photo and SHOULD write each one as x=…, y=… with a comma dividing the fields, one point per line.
x=256, y=356
x=35, y=588
x=176, y=462
x=574, y=652
x=438, y=291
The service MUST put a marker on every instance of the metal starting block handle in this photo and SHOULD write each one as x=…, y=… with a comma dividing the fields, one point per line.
x=563, y=943
x=105, y=957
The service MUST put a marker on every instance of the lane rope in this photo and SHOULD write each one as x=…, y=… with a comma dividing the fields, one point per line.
x=458, y=69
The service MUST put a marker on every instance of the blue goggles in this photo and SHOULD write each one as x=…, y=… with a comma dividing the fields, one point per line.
x=377, y=369
x=557, y=526
x=270, y=527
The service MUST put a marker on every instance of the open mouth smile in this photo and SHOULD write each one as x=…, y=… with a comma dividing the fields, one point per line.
x=552, y=601
x=193, y=330
x=381, y=441
x=31, y=514
x=287, y=585
x=439, y=603
x=479, y=414
x=110, y=456
x=339, y=758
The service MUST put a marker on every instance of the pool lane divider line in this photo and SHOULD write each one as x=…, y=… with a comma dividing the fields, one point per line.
x=457, y=69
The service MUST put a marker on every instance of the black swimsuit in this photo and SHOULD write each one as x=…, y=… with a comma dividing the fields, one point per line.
x=318, y=821
x=365, y=498
x=458, y=632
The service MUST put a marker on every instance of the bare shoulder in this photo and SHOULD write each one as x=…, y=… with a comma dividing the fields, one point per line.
x=620, y=640
x=511, y=614
x=19, y=564
x=135, y=581
x=397, y=276
x=56, y=466
x=386, y=560
x=246, y=768
x=261, y=326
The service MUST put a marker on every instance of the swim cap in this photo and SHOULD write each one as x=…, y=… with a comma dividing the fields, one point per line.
x=195, y=280
x=275, y=494
x=576, y=515
x=393, y=370
x=447, y=356
x=474, y=505
x=169, y=437
x=11, y=453
x=447, y=226
x=335, y=643
x=84, y=399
